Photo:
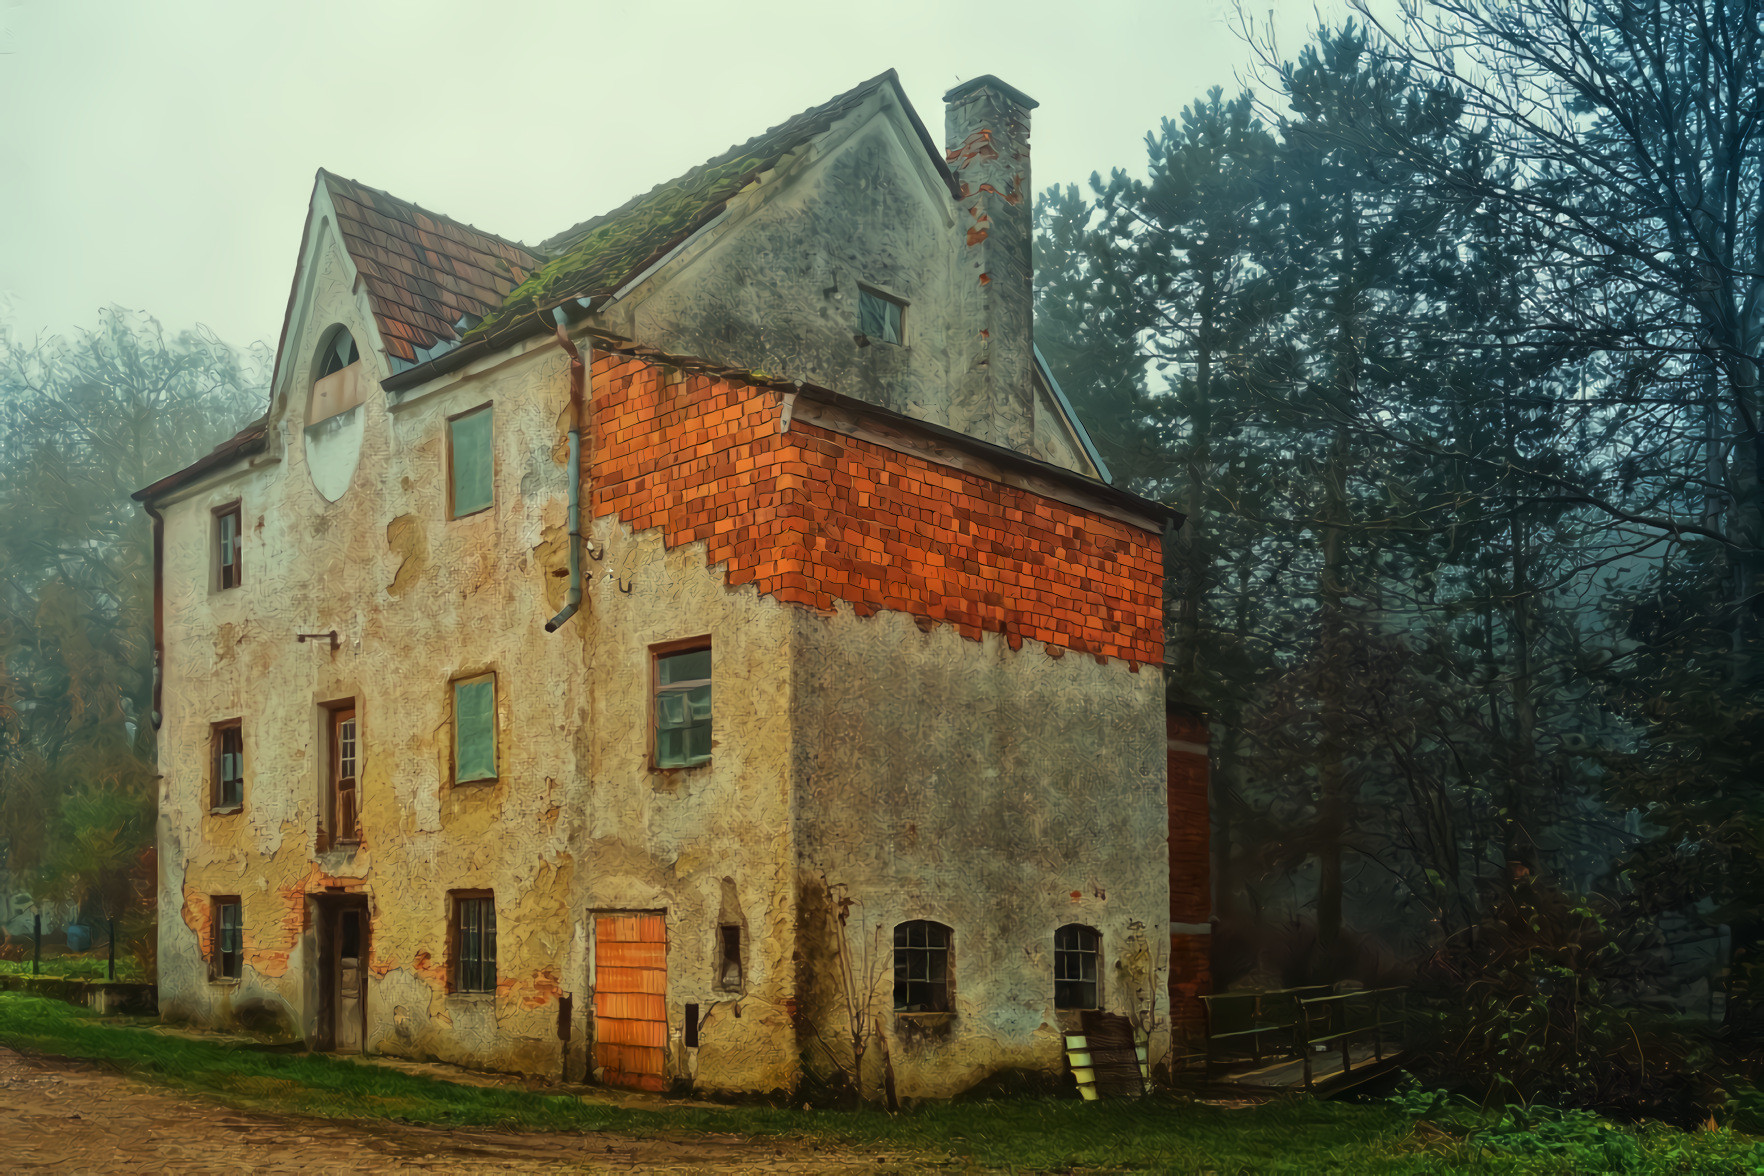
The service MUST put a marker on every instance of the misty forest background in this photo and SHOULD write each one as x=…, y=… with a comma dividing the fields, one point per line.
x=1447, y=337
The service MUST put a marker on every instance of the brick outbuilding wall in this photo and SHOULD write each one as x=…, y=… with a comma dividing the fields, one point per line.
x=813, y=516
x=1191, y=896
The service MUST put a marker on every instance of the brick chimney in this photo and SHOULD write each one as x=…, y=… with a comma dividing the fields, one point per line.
x=986, y=133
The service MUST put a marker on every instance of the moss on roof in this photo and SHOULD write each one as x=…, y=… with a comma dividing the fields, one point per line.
x=598, y=256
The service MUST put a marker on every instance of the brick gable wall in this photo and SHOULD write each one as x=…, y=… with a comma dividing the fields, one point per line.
x=811, y=517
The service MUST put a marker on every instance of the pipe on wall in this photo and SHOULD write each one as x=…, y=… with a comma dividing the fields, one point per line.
x=578, y=385
x=156, y=715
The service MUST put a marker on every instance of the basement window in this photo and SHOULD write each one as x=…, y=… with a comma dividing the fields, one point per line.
x=1077, y=949
x=683, y=705
x=227, y=786
x=921, y=967
x=228, y=547
x=474, y=729
x=228, y=954
x=474, y=941
x=881, y=319
x=471, y=486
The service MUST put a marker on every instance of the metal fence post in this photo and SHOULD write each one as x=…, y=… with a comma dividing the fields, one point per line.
x=111, y=924
x=36, y=943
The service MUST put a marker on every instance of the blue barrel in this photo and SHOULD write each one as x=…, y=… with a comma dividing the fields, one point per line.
x=79, y=937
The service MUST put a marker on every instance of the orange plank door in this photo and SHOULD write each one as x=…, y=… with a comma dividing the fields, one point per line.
x=630, y=999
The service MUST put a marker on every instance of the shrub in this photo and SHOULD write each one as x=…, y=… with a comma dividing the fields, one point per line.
x=1549, y=1005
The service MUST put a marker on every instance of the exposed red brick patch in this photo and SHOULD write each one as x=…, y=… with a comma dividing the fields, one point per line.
x=1191, y=899
x=812, y=517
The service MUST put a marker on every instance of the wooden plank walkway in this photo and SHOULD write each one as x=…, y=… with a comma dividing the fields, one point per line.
x=1326, y=1073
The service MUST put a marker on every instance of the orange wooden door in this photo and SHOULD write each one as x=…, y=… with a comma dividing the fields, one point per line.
x=630, y=999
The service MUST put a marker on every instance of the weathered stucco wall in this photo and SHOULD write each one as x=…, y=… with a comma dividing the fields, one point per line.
x=576, y=821
x=1002, y=793
x=773, y=288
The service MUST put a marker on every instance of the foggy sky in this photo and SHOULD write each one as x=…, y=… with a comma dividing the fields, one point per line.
x=161, y=155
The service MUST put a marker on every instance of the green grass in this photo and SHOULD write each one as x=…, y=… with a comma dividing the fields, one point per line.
x=1287, y=1137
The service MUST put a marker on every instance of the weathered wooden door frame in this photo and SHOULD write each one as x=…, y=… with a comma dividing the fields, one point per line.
x=329, y=910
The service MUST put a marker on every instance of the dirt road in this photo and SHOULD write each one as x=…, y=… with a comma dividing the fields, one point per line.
x=70, y=1116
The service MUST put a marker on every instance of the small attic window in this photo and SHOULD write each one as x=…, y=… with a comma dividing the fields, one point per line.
x=339, y=354
x=337, y=384
x=881, y=319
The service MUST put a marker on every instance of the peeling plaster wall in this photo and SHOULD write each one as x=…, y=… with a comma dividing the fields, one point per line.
x=774, y=287
x=1003, y=794
x=576, y=821
x=706, y=843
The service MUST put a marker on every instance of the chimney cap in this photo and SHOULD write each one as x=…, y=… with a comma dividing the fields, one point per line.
x=991, y=82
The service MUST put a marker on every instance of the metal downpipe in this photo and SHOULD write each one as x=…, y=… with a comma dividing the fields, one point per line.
x=578, y=380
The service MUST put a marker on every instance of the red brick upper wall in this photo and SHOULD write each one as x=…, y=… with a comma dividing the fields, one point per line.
x=813, y=516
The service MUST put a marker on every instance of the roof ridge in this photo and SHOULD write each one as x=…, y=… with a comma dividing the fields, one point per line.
x=558, y=242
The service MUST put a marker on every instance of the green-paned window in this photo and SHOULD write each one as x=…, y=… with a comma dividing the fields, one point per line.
x=881, y=319
x=474, y=944
x=474, y=729
x=683, y=708
x=470, y=463
x=229, y=939
x=1077, y=949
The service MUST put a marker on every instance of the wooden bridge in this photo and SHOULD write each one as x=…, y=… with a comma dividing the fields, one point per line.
x=1312, y=1038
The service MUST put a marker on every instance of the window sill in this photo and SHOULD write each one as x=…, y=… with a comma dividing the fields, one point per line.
x=224, y=981
x=226, y=810
x=661, y=768
x=480, y=782
x=472, y=997
x=927, y=1020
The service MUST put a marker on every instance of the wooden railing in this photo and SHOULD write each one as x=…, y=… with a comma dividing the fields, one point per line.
x=1257, y=1027
x=1340, y=1020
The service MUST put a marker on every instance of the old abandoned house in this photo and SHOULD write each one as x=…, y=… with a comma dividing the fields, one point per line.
x=550, y=714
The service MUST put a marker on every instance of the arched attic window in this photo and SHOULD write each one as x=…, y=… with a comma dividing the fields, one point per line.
x=337, y=385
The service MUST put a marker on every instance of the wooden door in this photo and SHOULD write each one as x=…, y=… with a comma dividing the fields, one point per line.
x=630, y=999
x=349, y=974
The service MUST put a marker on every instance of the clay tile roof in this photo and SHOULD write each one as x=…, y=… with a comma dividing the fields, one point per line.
x=250, y=439
x=600, y=255
x=423, y=271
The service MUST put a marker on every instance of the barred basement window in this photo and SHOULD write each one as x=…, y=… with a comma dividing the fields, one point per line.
x=471, y=484
x=1077, y=949
x=921, y=967
x=683, y=706
x=229, y=938
x=474, y=942
x=228, y=789
x=229, y=547
x=881, y=319
x=474, y=729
